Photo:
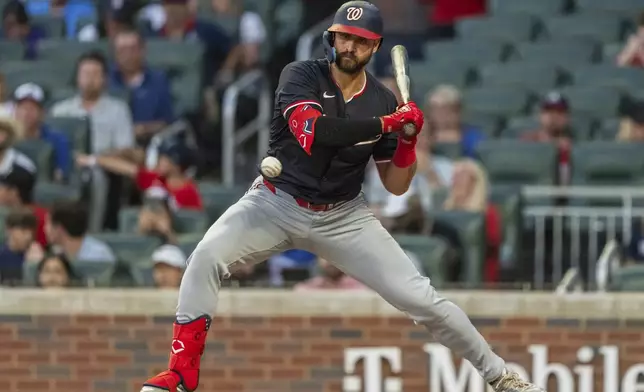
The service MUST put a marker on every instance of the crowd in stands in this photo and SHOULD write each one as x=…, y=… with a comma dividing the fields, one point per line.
x=110, y=128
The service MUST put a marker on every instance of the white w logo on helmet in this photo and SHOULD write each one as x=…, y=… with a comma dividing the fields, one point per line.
x=354, y=13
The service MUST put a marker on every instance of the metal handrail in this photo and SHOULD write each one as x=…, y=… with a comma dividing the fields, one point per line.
x=610, y=192
x=233, y=137
x=304, y=49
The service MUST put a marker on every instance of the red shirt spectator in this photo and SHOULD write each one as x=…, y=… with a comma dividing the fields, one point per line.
x=493, y=234
x=447, y=12
x=41, y=217
x=184, y=192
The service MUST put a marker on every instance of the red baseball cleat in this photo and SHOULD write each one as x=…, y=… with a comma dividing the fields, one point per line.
x=188, y=344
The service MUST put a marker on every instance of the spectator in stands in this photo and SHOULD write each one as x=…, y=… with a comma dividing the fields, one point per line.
x=55, y=272
x=169, y=263
x=20, y=245
x=110, y=117
x=633, y=53
x=554, y=126
x=330, y=278
x=469, y=192
x=155, y=218
x=72, y=12
x=182, y=24
x=6, y=107
x=114, y=17
x=443, y=15
x=30, y=113
x=16, y=26
x=67, y=232
x=631, y=128
x=151, y=100
x=436, y=169
x=444, y=122
x=291, y=260
x=170, y=173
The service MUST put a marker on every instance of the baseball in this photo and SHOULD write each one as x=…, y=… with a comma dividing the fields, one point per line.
x=271, y=167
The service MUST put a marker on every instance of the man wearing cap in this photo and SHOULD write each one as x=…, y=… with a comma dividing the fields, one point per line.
x=30, y=113
x=330, y=118
x=169, y=262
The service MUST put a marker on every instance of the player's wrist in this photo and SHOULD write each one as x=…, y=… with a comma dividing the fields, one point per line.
x=405, y=154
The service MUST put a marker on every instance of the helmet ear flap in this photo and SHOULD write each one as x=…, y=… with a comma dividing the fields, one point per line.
x=327, y=42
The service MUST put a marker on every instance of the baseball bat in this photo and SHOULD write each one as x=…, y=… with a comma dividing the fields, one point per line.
x=399, y=62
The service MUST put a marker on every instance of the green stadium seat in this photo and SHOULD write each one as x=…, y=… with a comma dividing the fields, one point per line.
x=517, y=126
x=467, y=53
x=431, y=252
x=628, y=278
x=3, y=215
x=129, y=219
x=63, y=50
x=186, y=91
x=76, y=129
x=49, y=76
x=609, y=76
x=427, y=76
x=607, y=163
x=561, y=53
x=188, y=242
x=53, y=26
x=503, y=28
x=532, y=76
x=217, y=198
x=142, y=274
x=30, y=274
x=11, y=51
x=448, y=150
x=47, y=193
x=514, y=162
x=608, y=129
x=42, y=153
x=611, y=51
x=593, y=102
x=95, y=273
x=190, y=221
x=176, y=58
x=531, y=7
x=626, y=7
x=600, y=28
x=470, y=227
x=439, y=196
x=129, y=247
x=489, y=124
x=497, y=101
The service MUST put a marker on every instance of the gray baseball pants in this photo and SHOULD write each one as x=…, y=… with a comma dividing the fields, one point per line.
x=263, y=223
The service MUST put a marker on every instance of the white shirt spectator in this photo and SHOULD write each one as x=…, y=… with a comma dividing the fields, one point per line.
x=93, y=249
x=251, y=28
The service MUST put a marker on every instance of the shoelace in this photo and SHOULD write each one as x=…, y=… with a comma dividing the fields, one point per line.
x=512, y=380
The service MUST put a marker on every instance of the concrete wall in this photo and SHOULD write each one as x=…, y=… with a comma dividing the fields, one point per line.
x=95, y=340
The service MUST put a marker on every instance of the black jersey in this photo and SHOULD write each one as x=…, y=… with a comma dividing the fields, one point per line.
x=328, y=174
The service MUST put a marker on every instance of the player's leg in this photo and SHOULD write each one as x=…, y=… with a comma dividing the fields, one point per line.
x=357, y=243
x=251, y=231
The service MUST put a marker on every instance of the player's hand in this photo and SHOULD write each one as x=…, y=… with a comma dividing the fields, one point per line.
x=405, y=114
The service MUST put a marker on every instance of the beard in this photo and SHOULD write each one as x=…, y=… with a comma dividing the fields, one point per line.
x=350, y=64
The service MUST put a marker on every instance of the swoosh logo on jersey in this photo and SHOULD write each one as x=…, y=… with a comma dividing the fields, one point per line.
x=369, y=141
x=326, y=95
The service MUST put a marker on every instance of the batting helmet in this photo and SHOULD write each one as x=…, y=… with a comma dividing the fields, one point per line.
x=359, y=18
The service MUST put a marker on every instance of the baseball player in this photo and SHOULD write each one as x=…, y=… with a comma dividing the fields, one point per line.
x=330, y=118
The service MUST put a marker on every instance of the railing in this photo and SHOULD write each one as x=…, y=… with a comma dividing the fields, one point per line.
x=260, y=125
x=570, y=237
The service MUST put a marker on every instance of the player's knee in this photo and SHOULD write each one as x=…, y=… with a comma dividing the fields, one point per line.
x=418, y=299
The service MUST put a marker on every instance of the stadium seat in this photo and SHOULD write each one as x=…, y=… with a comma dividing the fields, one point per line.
x=600, y=28
x=470, y=227
x=530, y=7
x=95, y=273
x=190, y=221
x=427, y=76
x=561, y=53
x=76, y=129
x=431, y=252
x=531, y=76
x=217, y=198
x=42, y=153
x=53, y=26
x=62, y=50
x=489, y=124
x=186, y=92
x=46, y=193
x=608, y=129
x=129, y=247
x=49, y=76
x=593, y=102
x=466, y=53
x=142, y=274
x=611, y=51
x=517, y=126
x=603, y=163
x=11, y=51
x=505, y=28
x=625, y=7
x=128, y=219
x=609, y=76
x=174, y=57
x=514, y=162
x=30, y=274
x=496, y=101
x=188, y=242
x=628, y=278
x=448, y=150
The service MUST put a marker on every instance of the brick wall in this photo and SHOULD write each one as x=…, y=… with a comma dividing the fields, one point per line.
x=87, y=353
